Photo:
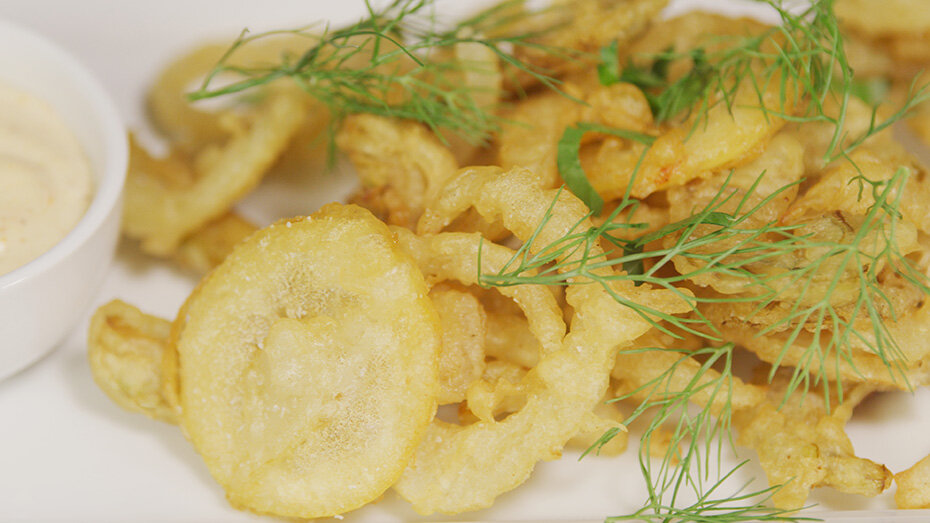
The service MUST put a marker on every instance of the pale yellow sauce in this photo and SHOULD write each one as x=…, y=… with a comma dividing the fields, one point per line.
x=45, y=179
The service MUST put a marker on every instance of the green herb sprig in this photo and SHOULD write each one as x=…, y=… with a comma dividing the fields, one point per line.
x=805, y=54
x=390, y=64
x=674, y=495
x=722, y=242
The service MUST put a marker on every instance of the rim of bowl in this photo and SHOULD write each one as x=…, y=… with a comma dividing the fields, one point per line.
x=109, y=188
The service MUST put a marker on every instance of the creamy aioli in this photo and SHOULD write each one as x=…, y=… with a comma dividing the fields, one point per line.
x=45, y=178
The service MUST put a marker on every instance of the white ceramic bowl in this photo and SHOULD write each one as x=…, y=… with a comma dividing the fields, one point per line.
x=41, y=301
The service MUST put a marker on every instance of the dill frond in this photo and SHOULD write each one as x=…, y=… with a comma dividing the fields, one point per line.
x=396, y=63
x=677, y=488
x=805, y=53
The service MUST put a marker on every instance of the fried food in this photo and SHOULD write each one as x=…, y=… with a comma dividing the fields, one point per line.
x=460, y=468
x=192, y=126
x=509, y=338
x=307, y=390
x=680, y=154
x=638, y=370
x=185, y=124
x=461, y=357
x=455, y=256
x=833, y=190
x=914, y=486
x=817, y=137
x=781, y=165
x=125, y=350
x=161, y=214
x=210, y=245
x=910, y=358
x=579, y=29
x=403, y=161
x=605, y=417
x=535, y=125
x=802, y=445
x=500, y=392
x=893, y=17
x=178, y=206
x=728, y=136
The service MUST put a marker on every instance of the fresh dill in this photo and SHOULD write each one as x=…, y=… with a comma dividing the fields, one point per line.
x=668, y=98
x=804, y=54
x=694, y=437
x=872, y=91
x=396, y=62
x=873, y=247
x=543, y=265
x=722, y=242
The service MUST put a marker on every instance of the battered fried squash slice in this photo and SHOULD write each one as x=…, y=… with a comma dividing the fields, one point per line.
x=308, y=365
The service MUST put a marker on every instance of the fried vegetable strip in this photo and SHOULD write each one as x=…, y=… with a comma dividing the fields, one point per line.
x=914, y=486
x=801, y=446
x=125, y=349
x=580, y=29
x=209, y=246
x=461, y=356
x=402, y=159
x=531, y=140
x=161, y=214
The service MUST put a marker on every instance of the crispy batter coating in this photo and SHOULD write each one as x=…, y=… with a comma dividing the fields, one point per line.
x=914, y=486
x=802, y=446
x=125, y=350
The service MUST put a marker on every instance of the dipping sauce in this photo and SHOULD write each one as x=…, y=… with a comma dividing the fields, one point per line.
x=46, y=183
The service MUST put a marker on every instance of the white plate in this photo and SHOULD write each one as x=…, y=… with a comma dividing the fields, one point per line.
x=68, y=453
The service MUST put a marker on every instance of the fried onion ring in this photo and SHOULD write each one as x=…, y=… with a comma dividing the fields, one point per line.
x=161, y=214
x=402, y=158
x=450, y=471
